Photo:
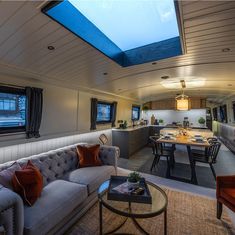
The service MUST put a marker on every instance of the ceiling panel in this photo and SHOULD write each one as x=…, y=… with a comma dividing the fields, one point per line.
x=208, y=27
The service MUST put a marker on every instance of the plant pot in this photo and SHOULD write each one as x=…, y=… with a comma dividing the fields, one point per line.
x=133, y=185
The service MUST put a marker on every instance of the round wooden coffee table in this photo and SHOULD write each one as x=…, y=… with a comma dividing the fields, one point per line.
x=133, y=210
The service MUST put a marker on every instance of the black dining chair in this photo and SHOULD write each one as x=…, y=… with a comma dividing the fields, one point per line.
x=159, y=151
x=203, y=152
x=209, y=156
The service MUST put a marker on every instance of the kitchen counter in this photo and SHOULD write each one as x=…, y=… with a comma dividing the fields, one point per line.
x=130, y=140
x=129, y=128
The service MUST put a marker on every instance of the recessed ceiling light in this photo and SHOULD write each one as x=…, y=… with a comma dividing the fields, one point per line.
x=154, y=63
x=105, y=73
x=51, y=48
x=164, y=77
x=225, y=49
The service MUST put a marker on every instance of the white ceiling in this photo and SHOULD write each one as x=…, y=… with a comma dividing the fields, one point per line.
x=207, y=26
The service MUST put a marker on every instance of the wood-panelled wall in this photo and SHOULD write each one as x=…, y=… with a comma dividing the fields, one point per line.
x=194, y=103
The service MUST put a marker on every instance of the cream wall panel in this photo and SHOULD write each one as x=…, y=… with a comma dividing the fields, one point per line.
x=12, y=153
x=84, y=110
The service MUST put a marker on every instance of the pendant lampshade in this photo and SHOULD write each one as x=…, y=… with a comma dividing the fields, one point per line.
x=182, y=101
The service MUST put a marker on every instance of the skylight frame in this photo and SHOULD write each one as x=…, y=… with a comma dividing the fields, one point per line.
x=144, y=54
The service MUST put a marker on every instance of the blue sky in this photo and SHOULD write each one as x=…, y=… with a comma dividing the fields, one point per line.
x=131, y=23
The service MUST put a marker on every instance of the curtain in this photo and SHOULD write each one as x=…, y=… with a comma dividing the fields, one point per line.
x=114, y=112
x=94, y=102
x=34, y=111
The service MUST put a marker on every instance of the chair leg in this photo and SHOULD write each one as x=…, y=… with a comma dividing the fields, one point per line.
x=158, y=159
x=172, y=160
x=213, y=171
x=168, y=171
x=154, y=163
x=219, y=209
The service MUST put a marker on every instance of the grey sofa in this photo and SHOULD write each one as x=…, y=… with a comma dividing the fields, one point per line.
x=67, y=194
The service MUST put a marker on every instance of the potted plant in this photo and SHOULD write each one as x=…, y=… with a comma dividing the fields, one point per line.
x=125, y=124
x=201, y=121
x=161, y=121
x=133, y=180
x=145, y=108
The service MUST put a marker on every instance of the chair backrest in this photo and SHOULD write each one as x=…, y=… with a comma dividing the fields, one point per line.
x=212, y=139
x=213, y=150
x=103, y=139
x=156, y=147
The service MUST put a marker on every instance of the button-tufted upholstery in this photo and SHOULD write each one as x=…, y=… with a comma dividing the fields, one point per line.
x=65, y=194
x=55, y=164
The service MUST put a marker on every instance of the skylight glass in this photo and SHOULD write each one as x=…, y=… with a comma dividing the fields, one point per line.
x=131, y=23
x=129, y=32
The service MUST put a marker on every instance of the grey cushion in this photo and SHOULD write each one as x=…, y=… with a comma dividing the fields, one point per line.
x=90, y=176
x=58, y=199
x=7, y=175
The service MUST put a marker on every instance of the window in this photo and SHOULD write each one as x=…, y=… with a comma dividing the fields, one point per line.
x=135, y=113
x=215, y=116
x=104, y=112
x=223, y=113
x=233, y=110
x=129, y=32
x=12, y=110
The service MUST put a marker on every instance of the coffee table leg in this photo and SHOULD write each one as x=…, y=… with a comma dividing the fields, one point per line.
x=101, y=218
x=165, y=222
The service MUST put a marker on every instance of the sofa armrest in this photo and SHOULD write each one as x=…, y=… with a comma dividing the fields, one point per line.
x=11, y=212
x=109, y=155
x=227, y=181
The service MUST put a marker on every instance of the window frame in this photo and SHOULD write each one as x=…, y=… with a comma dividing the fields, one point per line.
x=135, y=106
x=17, y=91
x=215, y=113
x=111, y=111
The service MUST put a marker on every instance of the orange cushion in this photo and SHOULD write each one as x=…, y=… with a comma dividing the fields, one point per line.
x=88, y=155
x=228, y=194
x=28, y=183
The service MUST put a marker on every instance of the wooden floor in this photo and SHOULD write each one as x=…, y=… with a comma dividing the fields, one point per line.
x=142, y=160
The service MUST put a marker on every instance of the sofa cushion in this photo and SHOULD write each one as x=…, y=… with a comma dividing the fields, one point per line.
x=92, y=177
x=89, y=155
x=28, y=183
x=7, y=174
x=58, y=199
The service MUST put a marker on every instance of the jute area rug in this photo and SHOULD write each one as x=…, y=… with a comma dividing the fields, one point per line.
x=187, y=215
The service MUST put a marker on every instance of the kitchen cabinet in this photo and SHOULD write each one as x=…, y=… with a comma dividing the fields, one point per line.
x=130, y=140
x=170, y=104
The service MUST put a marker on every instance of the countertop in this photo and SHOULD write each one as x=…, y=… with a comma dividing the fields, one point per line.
x=130, y=128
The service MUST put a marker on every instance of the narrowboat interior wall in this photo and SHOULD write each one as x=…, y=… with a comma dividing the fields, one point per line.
x=114, y=104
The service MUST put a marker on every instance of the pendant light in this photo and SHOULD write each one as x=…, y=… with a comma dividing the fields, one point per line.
x=182, y=101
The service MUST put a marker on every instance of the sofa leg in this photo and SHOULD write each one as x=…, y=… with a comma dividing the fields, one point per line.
x=219, y=209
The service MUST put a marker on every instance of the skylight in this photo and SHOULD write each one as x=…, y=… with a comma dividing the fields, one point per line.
x=129, y=32
x=131, y=23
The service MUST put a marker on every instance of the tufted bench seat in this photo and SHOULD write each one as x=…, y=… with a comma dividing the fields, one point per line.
x=67, y=193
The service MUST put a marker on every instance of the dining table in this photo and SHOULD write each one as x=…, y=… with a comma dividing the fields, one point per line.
x=188, y=138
